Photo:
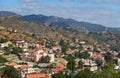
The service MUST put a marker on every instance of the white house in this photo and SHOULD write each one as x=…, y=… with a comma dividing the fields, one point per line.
x=90, y=64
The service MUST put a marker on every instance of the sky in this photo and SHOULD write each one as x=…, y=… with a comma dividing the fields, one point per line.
x=105, y=12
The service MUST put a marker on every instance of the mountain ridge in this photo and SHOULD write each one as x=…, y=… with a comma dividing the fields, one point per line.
x=40, y=30
x=7, y=13
x=68, y=23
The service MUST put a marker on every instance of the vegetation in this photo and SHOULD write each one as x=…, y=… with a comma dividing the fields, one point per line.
x=115, y=48
x=99, y=62
x=2, y=60
x=64, y=45
x=71, y=62
x=61, y=75
x=119, y=55
x=108, y=41
x=85, y=74
x=17, y=50
x=84, y=55
x=3, y=40
x=9, y=72
x=80, y=64
x=108, y=72
x=71, y=65
x=7, y=50
x=45, y=59
x=108, y=57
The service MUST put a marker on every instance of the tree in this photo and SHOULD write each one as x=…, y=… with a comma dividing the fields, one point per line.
x=108, y=57
x=2, y=60
x=71, y=64
x=109, y=71
x=52, y=65
x=7, y=50
x=85, y=74
x=80, y=64
x=80, y=47
x=61, y=75
x=10, y=72
x=17, y=50
x=84, y=55
x=3, y=40
x=45, y=59
x=119, y=55
x=115, y=48
x=77, y=54
x=64, y=46
x=61, y=43
x=99, y=62
x=31, y=47
x=33, y=35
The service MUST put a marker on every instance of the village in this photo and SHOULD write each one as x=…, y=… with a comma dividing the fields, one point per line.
x=47, y=57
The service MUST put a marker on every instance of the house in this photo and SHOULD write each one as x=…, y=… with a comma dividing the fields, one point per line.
x=38, y=75
x=56, y=48
x=88, y=47
x=82, y=42
x=98, y=56
x=23, y=70
x=34, y=70
x=38, y=56
x=118, y=61
x=20, y=43
x=117, y=67
x=90, y=64
x=30, y=64
x=5, y=44
x=43, y=64
x=58, y=68
x=91, y=54
x=69, y=51
x=12, y=57
x=61, y=61
x=1, y=52
x=38, y=53
x=12, y=64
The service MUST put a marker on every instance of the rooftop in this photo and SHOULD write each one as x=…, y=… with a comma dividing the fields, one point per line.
x=38, y=75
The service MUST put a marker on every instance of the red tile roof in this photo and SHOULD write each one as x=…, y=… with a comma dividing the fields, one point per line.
x=60, y=65
x=24, y=67
x=38, y=75
x=35, y=53
x=98, y=56
x=30, y=51
x=69, y=51
x=39, y=48
x=56, y=70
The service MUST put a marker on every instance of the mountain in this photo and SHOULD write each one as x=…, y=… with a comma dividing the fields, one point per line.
x=61, y=22
x=29, y=29
x=11, y=35
x=42, y=30
x=6, y=13
x=69, y=23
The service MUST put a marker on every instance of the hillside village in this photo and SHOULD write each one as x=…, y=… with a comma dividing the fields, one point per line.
x=44, y=58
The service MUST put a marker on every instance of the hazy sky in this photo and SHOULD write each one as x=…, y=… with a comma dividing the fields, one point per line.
x=105, y=12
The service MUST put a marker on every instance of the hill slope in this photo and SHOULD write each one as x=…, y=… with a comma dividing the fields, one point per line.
x=6, y=13
x=28, y=27
x=69, y=23
x=51, y=32
x=61, y=22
